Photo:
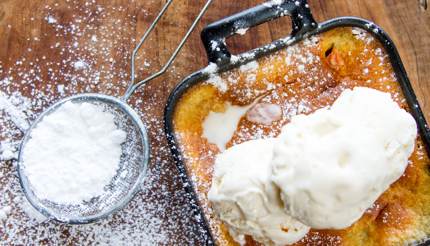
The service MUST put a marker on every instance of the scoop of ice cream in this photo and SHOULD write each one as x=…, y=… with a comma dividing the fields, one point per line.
x=333, y=164
x=247, y=201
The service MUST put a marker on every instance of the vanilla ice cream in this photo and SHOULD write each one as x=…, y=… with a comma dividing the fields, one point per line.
x=333, y=164
x=323, y=171
x=247, y=201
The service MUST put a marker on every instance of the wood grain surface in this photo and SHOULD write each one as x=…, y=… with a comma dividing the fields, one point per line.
x=29, y=41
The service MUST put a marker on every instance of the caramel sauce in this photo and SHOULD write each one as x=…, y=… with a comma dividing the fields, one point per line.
x=302, y=78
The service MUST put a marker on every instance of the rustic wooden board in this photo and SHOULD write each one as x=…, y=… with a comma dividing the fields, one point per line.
x=41, y=38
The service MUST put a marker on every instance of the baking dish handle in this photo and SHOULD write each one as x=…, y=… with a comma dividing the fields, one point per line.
x=214, y=35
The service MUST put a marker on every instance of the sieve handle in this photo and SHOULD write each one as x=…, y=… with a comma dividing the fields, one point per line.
x=214, y=35
x=132, y=86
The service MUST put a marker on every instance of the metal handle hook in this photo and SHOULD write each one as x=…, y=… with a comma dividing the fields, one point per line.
x=132, y=86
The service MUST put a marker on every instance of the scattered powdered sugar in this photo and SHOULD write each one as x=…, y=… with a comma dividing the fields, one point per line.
x=13, y=106
x=31, y=213
x=79, y=65
x=218, y=82
x=273, y=3
x=301, y=68
x=234, y=59
x=14, y=111
x=362, y=35
x=51, y=19
x=211, y=68
x=4, y=212
x=242, y=31
x=8, y=151
x=248, y=67
x=214, y=44
x=60, y=89
x=86, y=32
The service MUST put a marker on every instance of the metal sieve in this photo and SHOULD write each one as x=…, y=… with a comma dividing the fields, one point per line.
x=135, y=151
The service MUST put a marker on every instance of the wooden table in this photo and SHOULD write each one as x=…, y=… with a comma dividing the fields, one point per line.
x=51, y=49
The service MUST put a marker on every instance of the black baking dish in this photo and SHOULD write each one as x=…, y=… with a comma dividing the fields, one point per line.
x=214, y=35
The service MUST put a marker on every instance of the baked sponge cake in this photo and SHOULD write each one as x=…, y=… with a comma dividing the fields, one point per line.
x=301, y=79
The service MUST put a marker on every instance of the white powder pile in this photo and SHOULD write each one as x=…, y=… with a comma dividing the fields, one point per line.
x=73, y=153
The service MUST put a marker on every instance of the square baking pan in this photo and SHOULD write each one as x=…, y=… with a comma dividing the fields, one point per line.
x=303, y=27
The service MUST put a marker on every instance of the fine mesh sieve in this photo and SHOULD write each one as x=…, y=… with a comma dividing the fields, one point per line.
x=135, y=151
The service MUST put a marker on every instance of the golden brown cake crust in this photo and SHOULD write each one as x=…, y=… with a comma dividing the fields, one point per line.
x=301, y=79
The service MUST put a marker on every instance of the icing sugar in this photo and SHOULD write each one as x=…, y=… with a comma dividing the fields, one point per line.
x=73, y=153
